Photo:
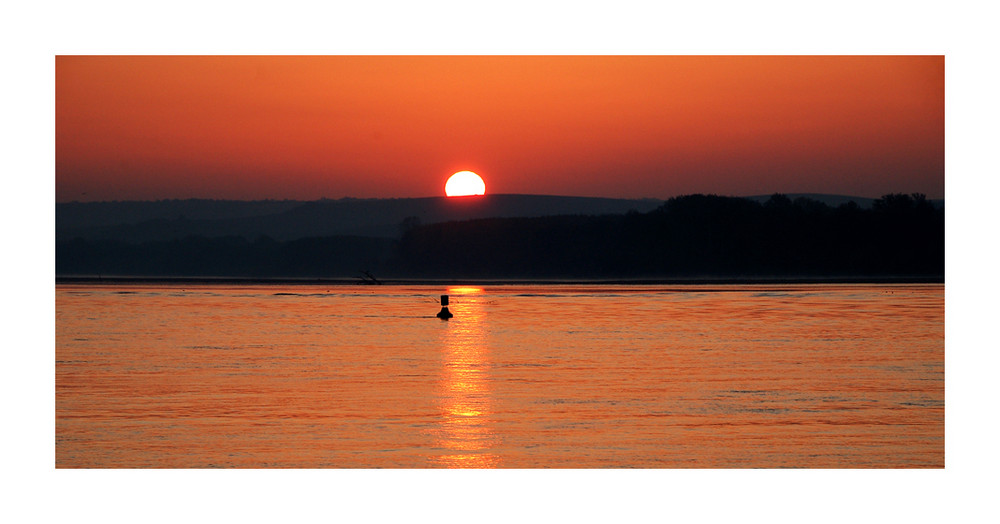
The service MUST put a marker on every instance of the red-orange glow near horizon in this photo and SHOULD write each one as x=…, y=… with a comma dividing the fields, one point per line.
x=465, y=183
x=309, y=127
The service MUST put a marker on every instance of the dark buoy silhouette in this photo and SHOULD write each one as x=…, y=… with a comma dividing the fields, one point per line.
x=444, y=314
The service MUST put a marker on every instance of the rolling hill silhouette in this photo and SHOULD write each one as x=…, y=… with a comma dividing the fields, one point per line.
x=142, y=221
x=511, y=236
x=290, y=220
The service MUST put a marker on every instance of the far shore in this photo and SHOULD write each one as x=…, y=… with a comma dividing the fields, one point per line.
x=498, y=281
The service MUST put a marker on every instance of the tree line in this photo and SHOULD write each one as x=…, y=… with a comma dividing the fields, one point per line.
x=687, y=236
x=694, y=235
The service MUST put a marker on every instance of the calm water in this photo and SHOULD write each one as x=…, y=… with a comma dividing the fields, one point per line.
x=188, y=376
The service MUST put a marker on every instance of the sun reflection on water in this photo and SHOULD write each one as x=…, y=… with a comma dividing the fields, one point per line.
x=467, y=431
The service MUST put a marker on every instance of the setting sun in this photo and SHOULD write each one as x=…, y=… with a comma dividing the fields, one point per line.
x=465, y=183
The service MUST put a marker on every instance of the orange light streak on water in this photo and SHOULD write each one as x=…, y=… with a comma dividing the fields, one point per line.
x=467, y=430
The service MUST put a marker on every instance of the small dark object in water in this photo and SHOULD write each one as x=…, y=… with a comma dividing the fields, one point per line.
x=444, y=314
x=368, y=278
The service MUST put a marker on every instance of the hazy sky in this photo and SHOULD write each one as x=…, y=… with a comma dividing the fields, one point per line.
x=154, y=127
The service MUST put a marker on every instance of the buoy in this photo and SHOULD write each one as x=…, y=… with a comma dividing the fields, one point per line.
x=444, y=314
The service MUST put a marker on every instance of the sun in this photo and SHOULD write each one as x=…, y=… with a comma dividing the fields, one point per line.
x=465, y=183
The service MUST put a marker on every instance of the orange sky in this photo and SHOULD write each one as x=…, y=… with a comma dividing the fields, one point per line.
x=153, y=127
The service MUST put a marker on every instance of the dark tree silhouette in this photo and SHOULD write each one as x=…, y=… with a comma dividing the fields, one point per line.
x=688, y=236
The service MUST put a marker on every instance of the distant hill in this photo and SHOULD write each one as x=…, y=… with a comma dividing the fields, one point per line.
x=83, y=215
x=289, y=220
x=688, y=237
x=283, y=220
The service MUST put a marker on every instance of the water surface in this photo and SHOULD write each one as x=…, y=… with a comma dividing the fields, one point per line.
x=553, y=376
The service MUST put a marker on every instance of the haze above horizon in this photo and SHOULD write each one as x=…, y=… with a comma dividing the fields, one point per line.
x=306, y=128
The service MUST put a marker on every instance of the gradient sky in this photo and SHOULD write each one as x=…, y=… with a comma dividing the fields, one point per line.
x=245, y=127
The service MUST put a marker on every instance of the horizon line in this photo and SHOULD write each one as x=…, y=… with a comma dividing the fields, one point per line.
x=662, y=199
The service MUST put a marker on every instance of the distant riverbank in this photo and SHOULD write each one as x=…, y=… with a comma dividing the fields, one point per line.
x=690, y=239
x=499, y=282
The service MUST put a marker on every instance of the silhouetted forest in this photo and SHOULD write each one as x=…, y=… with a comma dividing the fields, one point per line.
x=695, y=235
x=686, y=237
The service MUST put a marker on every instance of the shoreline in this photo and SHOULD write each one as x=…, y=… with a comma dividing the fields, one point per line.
x=498, y=281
